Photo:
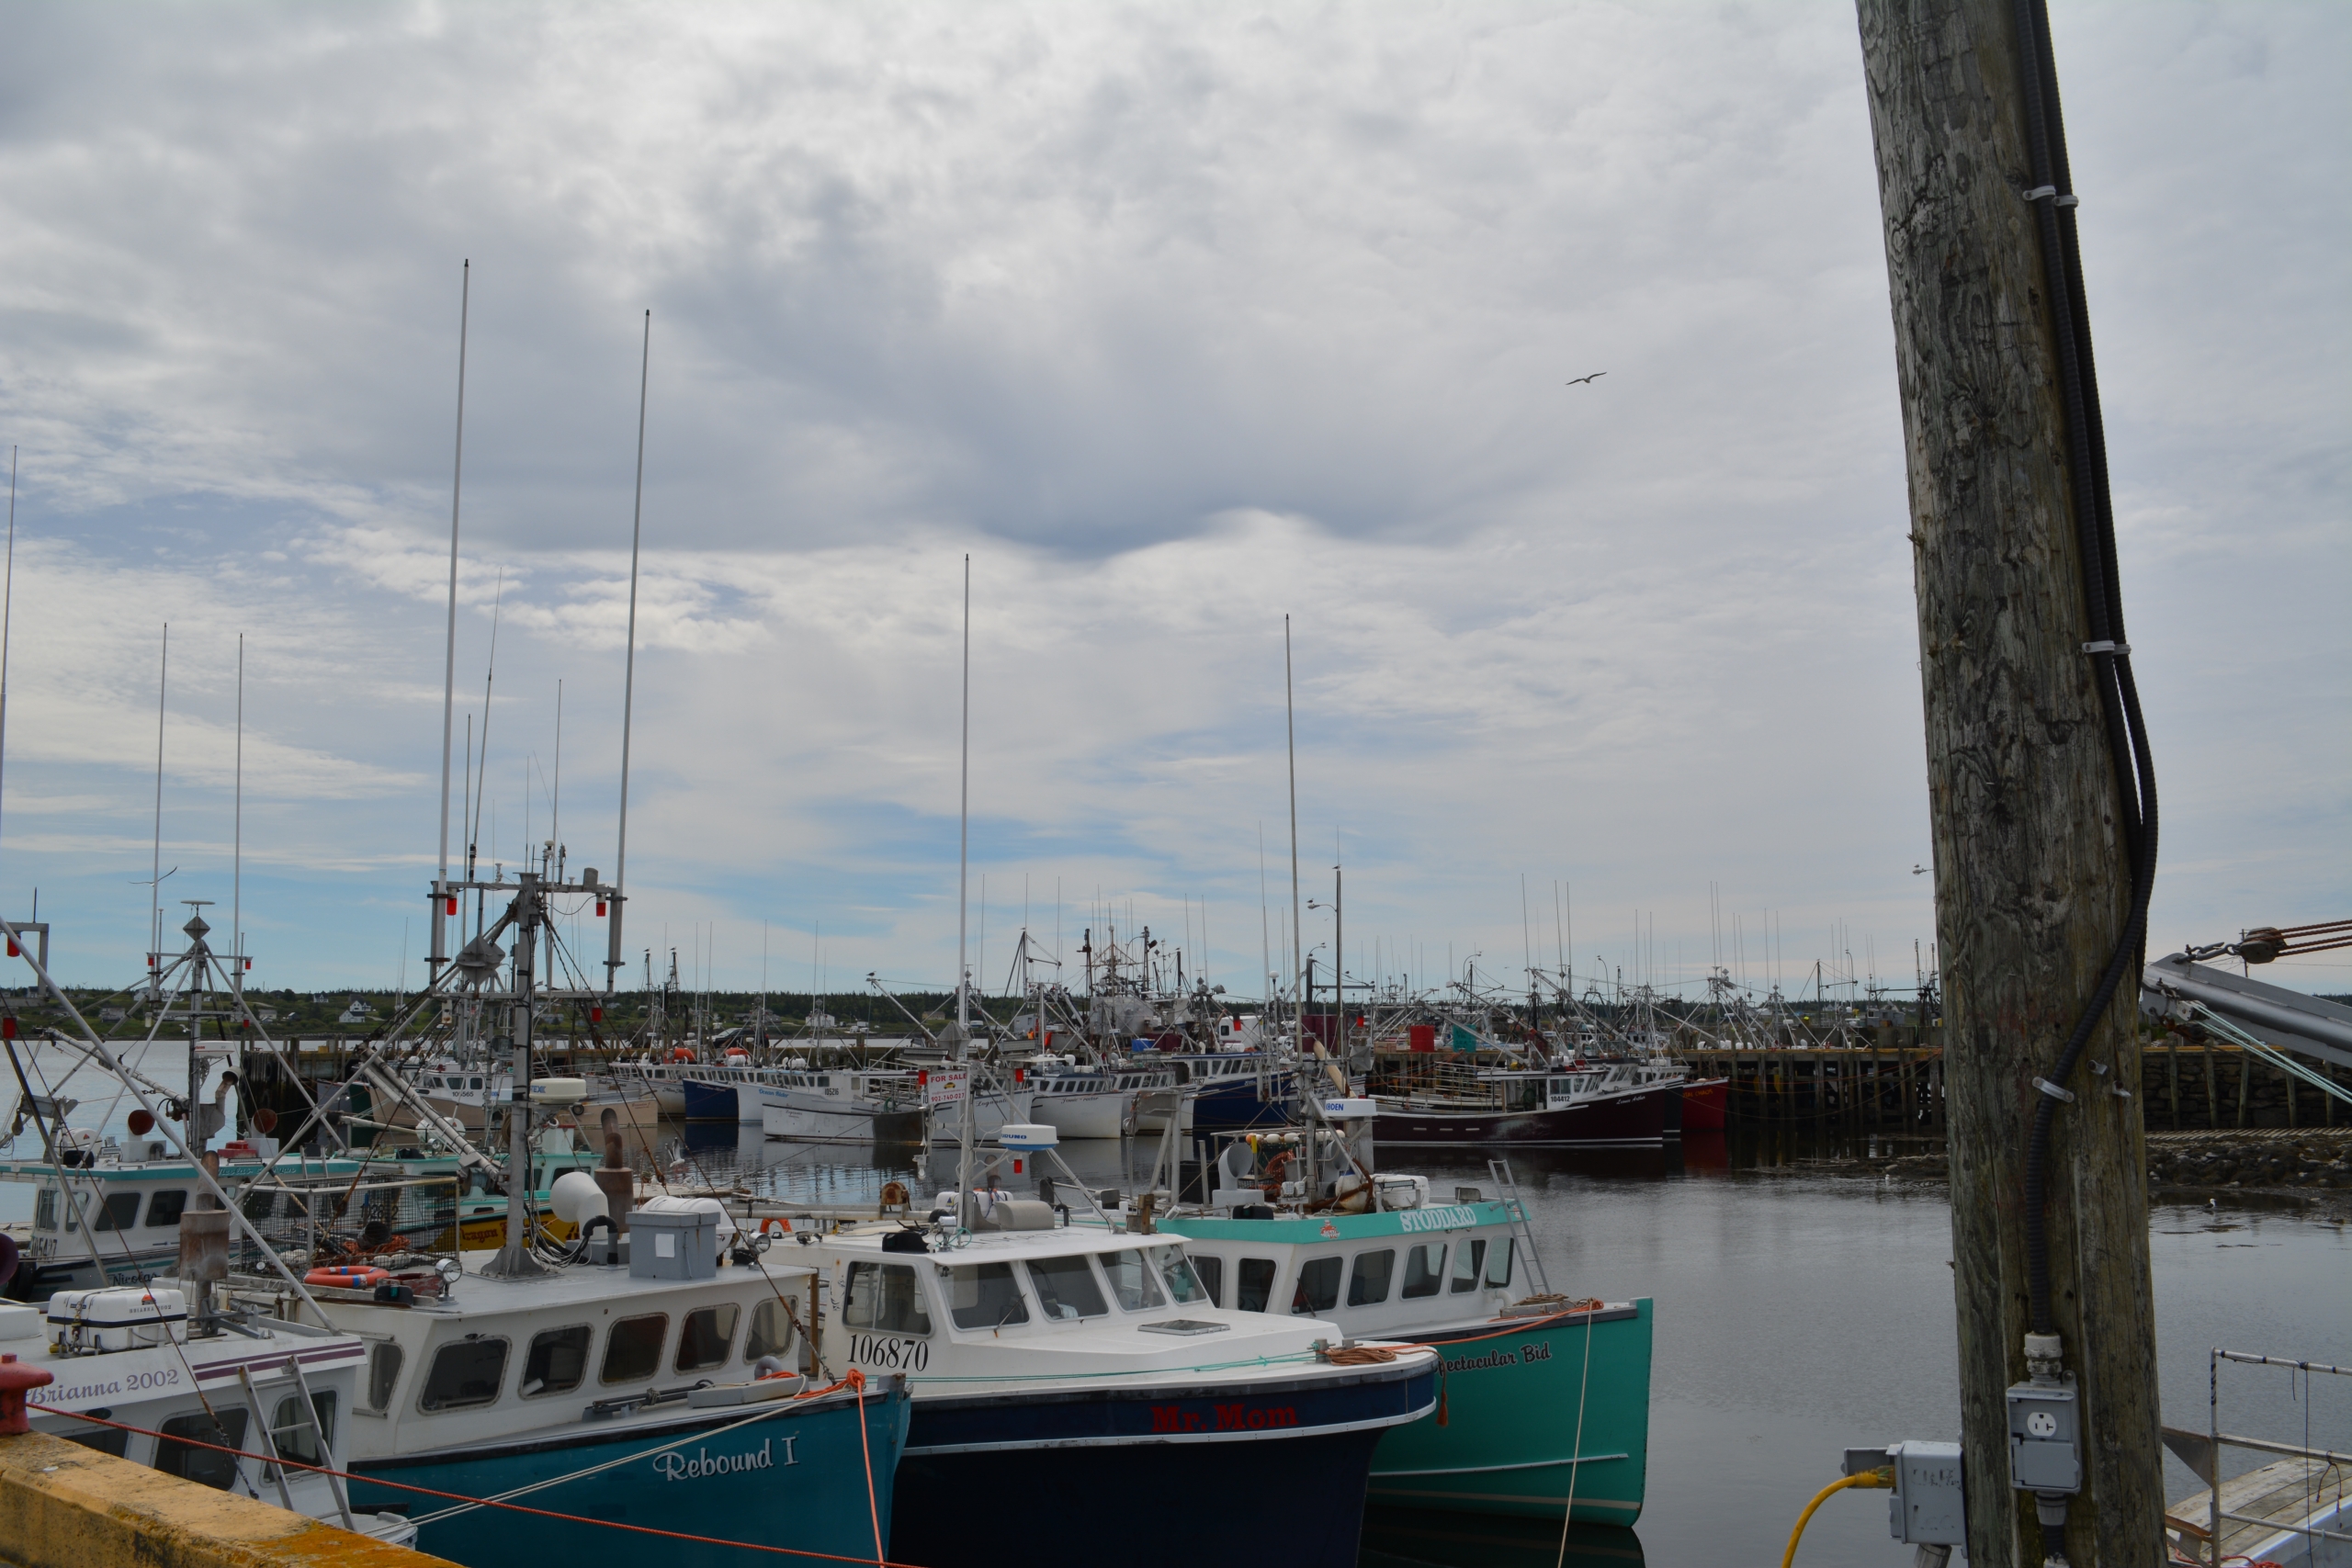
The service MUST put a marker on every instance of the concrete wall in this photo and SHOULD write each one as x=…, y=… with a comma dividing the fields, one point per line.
x=64, y=1505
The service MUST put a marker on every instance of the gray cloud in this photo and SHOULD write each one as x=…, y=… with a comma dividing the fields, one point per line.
x=1179, y=320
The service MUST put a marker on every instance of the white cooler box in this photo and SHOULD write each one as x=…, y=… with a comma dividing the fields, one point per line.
x=123, y=1317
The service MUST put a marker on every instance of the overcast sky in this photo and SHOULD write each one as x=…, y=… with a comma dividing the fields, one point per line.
x=1177, y=320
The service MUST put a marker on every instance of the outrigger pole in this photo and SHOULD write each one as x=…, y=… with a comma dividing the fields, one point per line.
x=964, y=1214
x=628, y=678
x=443, y=904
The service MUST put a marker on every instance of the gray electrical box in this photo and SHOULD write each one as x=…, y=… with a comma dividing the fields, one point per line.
x=2045, y=1437
x=1928, y=1508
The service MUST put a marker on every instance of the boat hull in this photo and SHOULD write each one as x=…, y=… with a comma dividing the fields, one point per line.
x=1635, y=1118
x=798, y=1481
x=1098, y=1113
x=1705, y=1104
x=703, y=1101
x=1281, y=1460
x=1514, y=1399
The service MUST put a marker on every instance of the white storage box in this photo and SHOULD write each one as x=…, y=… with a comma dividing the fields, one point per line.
x=123, y=1317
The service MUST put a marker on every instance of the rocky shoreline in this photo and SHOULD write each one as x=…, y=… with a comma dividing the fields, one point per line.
x=2310, y=1167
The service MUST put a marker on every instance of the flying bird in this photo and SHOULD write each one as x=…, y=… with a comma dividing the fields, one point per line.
x=1918, y=871
x=1585, y=380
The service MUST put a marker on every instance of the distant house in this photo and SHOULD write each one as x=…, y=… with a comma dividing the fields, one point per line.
x=267, y=1015
x=357, y=1012
x=111, y=1015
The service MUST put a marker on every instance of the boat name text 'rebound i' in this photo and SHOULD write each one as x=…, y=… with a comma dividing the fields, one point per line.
x=676, y=1466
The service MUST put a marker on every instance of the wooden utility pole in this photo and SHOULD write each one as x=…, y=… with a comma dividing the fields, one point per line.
x=2031, y=865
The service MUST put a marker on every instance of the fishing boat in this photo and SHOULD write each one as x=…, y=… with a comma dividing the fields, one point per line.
x=1428, y=1102
x=128, y=1378
x=1061, y=1364
x=620, y=1396
x=1547, y=1396
x=1080, y=1100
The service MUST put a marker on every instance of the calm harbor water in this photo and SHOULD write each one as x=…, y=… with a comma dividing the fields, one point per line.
x=1797, y=1314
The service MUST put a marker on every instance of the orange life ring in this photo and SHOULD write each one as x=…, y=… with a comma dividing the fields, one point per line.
x=775, y=1224
x=348, y=1276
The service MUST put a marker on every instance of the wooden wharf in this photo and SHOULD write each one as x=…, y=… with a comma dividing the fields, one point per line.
x=2184, y=1086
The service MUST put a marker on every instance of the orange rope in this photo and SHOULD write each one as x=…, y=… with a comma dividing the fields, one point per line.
x=517, y=1508
x=856, y=1380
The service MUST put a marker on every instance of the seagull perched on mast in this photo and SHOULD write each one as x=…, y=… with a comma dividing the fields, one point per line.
x=1586, y=380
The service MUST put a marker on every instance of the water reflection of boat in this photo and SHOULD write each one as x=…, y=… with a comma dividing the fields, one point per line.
x=1412, y=1538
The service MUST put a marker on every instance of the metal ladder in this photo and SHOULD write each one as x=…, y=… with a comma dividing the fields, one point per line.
x=1508, y=1184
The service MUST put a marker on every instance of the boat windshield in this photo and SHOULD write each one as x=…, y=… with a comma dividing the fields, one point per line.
x=985, y=1295
x=1066, y=1287
x=1183, y=1283
x=1132, y=1282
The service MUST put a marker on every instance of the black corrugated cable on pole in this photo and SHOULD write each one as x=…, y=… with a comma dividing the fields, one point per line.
x=2054, y=207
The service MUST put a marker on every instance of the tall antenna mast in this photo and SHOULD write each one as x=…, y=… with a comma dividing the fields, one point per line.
x=555, y=797
x=628, y=679
x=1290, y=730
x=8, y=601
x=155, y=882
x=237, y=854
x=964, y=1216
x=443, y=904
x=481, y=763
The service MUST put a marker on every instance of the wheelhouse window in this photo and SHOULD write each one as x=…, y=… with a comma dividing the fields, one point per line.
x=117, y=1211
x=1424, y=1269
x=1469, y=1257
x=1253, y=1285
x=383, y=1374
x=1132, y=1285
x=1368, y=1282
x=885, y=1298
x=292, y=1436
x=985, y=1295
x=771, y=1332
x=165, y=1208
x=45, y=1210
x=1318, y=1287
x=1066, y=1288
x=558, y=1363
x=708, y=1335
x=465, y=1375
x=176, y=1452
x=633, y=1349
x=1499, y=1262
x=1187, y=1281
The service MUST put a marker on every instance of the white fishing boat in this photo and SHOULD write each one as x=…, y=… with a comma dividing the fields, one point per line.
x=1058, y=1363
x=127, y=1378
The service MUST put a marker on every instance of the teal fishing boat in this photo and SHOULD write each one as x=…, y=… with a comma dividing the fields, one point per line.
x=1544, y=1405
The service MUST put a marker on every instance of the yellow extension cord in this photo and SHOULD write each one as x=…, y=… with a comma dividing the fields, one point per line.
x=1880, y=1478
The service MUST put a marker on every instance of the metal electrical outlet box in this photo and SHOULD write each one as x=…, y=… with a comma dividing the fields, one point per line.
x=2045, y=1437
x=1928, y=1508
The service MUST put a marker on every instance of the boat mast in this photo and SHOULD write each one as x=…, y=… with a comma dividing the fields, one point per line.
x=443, y=904
x=7, y=600
x=155, y=885
x=237, y=857
x=964, y=1215
x=1297, y=964
x=628, y=679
